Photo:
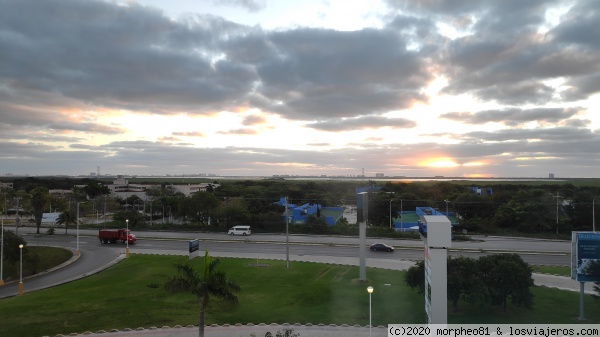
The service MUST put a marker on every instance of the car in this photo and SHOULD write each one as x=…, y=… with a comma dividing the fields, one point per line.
x=240, y=230
x=381, y=247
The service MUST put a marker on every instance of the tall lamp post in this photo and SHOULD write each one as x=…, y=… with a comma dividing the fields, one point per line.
x=21, y=270
x=557, y=196
x=287, y=236
x=593, y=216
x=391, y=213
x=2, y=254
x=127, y=238
x=77, y=249
x=370, y=291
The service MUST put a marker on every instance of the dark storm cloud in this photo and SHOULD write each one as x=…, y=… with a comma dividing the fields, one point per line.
x=359, y=123
x=135, y=58
x=60, y=56
x=503, y=58
x=118, y=56
x=314, y=73
x=580, y=26
x=86, y=127
x=513, y=117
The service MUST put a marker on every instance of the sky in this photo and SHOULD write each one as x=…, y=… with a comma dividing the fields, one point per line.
x=415, y=88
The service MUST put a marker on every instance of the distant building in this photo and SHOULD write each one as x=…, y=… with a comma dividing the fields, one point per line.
x=551, y=176
x=8, y=186
x=409, y=220
x=379, y=175
x=190, y=189
x=60, y=193
x=482, y=191
x=123, y=189
x=297, y=215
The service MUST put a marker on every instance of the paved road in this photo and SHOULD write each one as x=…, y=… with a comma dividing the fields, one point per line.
x=94, y=257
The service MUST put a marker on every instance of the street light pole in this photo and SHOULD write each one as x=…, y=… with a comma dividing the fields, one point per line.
x=21, y=270
x=287, y=236
x=370, y=291
x=77, y=249
x=401, y=216
x=2, y=255
x=17, y=219
x=557, y=196
x=390, y=213
x=446, y=207
x=127, y=238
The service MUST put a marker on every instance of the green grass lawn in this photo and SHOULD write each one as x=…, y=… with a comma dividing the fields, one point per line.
x=129, y=295
x=553, y=270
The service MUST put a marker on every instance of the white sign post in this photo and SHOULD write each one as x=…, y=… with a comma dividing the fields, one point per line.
x=436, y=233
x=585, y=250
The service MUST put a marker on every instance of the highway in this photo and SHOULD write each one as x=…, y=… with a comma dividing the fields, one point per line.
x=96, y=256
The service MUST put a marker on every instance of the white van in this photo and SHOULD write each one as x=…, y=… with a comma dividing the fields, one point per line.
x=239, y=230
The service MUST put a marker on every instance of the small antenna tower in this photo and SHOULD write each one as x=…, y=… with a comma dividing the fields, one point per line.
x=98, y=171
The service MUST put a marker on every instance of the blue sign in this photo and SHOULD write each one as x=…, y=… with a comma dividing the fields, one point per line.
x=194, y=245
x=588, y=255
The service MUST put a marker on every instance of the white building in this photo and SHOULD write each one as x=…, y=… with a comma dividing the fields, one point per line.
x=190, y=189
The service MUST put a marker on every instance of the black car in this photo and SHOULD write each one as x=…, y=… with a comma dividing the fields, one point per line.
x=381, y=247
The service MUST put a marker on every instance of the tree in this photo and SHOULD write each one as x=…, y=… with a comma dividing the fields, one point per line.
x=463, y=280
x=506, y=276
x=594, y=270
x=204, y=284
x=133, y=216
x=39, y=201
x=415, y=277
x=11, y=246
x=96, y=189
x=66, y=218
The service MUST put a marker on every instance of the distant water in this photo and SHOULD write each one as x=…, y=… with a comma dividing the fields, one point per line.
x=319, y=178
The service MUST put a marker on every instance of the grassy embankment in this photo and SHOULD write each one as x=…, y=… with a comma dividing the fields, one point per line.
x=130, y=295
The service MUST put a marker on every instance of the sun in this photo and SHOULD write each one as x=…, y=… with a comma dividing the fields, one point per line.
x=439, y=162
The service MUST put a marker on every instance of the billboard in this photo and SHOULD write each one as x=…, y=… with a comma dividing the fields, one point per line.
x=586, y=257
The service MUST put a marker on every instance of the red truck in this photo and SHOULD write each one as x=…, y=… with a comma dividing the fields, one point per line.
x=116, y=235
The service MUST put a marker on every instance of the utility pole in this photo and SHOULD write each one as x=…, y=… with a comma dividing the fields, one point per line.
x=287, y=236
x=557, y=196
x=17, y=220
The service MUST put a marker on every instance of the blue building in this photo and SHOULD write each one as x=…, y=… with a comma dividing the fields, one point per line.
x=298, y=214
x=481, y=191
x=409, y=220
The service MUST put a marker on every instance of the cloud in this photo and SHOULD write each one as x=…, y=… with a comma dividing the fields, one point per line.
x=249, y=5
x=189, y=134
x=364, y=122
x=243, y=131
x=73, y=65
x=513, y=117
x=254, y=120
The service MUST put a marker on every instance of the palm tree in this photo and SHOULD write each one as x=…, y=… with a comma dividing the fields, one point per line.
x=66, y=218
x=209, y=282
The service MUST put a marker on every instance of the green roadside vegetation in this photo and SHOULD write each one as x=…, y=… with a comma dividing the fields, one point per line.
x=130, y=295
x=552, y=270
x=35, y=260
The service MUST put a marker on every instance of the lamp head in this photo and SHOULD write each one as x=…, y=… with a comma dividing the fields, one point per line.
x=370, y=289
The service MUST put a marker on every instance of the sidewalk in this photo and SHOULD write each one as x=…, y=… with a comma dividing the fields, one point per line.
x=248, y=331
